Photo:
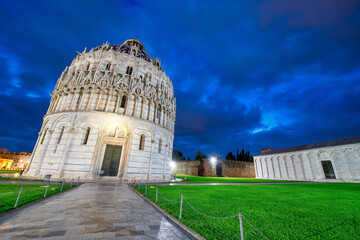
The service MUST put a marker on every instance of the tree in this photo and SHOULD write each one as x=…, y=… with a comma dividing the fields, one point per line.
x=200, y=156
x=177, y=155
x=230, y=156
x=242, y=156
x=3, y=150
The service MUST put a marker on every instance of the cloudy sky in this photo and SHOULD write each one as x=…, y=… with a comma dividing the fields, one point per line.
x=248, y=74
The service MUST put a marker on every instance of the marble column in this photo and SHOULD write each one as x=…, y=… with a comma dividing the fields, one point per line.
x=109, y=96
x=44, y=150
x=93, y=169
x=150, y=159
x=117, y=103
x=66, y=151
x=286, y=168
x=278, y=163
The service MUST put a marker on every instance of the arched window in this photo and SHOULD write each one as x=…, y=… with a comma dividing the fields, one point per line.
x=43, y=137
x=79, y=100
x=142, y=142
x=123, y=102
x=108, y=66
x=160, y=145
x=61, y=134
x=158, y=112
x=86, y=135
x=129, y=70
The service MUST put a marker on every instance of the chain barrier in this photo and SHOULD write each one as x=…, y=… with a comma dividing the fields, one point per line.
x=256, y=229
x=212, y=217
x=1, y=200
x=30, y=191
x=169, y=200
x=237, y=215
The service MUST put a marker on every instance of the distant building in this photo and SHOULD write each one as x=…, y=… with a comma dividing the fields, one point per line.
x=113, y=109
x=14, y=161
x=322, y=161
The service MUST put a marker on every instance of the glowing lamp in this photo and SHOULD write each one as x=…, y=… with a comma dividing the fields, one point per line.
x=213, y=160
x=172, y=164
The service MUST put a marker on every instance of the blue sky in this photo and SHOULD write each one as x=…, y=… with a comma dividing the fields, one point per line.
x=248, y=74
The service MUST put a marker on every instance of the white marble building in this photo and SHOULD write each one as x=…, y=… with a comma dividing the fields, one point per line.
x=112, y=109
x=324, y=161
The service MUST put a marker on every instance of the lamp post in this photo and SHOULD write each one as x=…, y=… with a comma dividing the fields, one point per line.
x=213, y=160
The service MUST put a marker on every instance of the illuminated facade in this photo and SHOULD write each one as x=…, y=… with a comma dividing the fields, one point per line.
x=112, y=109
x=14, y=161
x=332, y=160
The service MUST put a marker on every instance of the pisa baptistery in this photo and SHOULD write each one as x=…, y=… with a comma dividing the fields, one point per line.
x=112, y=109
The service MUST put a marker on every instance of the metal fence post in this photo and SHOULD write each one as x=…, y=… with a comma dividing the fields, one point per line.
x=182, y=196
x=78, y=181
x=241, y=226
x=47, y=187
x=11, y=178
x=139, y=185
x=18, y=198
x=71, y=182
x=156, y=194
x=145, y=189
x=62, y=185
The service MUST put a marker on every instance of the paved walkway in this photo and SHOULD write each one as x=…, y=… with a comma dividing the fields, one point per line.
x=91, y=211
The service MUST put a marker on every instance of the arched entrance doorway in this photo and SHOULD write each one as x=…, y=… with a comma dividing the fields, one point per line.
x=219, y=169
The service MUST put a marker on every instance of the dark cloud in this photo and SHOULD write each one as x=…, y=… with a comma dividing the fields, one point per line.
x=247, y=74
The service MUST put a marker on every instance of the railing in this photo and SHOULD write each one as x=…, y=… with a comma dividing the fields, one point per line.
x=149, y=186
x=7, y=200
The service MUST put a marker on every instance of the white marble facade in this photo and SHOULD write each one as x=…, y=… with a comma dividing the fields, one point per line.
x=112, y=95
x=308, y=164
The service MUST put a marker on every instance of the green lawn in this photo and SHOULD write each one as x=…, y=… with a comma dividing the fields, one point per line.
x=30, y=193
x=199, y=179
x=10, y=171
x=299, y=211
x=17, y=179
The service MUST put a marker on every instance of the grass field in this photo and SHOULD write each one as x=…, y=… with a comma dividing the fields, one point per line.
x=299, y=211
x=30, y=193
x=10, y=171
x=199, y=179
x=17, y=179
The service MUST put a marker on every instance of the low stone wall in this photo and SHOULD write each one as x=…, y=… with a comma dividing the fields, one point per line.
x=222, y=167
x=189, y=167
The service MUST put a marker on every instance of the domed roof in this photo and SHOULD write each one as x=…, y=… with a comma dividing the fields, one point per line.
x=130, y=46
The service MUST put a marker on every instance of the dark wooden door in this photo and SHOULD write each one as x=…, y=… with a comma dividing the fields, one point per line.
x=111, y=160
x=328, y=170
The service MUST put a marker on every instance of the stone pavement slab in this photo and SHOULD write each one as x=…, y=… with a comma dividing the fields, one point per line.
x=91, y=211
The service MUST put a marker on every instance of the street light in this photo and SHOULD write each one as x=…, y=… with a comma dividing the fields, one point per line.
x=213, y=160
x=172, y=164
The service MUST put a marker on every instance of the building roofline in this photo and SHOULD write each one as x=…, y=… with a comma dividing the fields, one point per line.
x=330, y=143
